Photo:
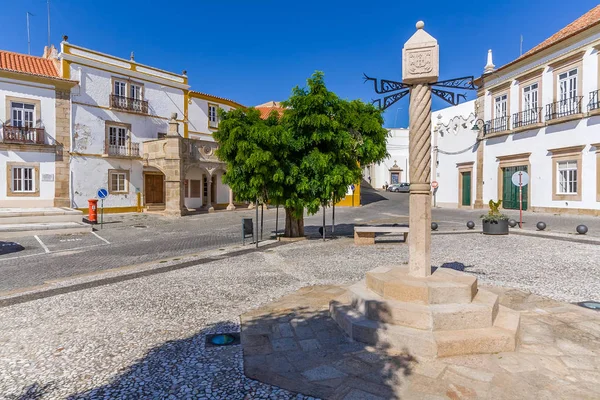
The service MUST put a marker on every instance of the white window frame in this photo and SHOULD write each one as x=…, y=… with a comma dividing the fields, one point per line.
x=531, y=96
x=22, y=114
x=213, y=116
x=23, y=181
x=121, y=181
x=120, y=135
x=567, y=84
x=566, y=176
x=136, y=91
x=501, y=106
x=122, y=88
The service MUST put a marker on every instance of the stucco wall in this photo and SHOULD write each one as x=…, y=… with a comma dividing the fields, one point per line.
x=452, y=132
x=397, y=148
x=198, y=115
x=195, y=174
x=45, y=94
x=46, y=165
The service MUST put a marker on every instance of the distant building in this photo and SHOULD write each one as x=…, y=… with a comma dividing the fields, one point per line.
x=393, y=169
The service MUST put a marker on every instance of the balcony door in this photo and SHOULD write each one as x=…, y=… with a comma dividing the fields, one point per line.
x=23, y=115
x=567, y=92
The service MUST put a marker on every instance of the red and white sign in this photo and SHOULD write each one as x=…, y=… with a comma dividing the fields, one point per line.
x=434, y=184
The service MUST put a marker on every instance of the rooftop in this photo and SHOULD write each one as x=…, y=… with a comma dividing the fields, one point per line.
x=266, y=108
x=16, y=62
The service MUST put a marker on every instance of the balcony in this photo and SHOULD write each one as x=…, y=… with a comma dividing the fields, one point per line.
x=527, y=118
x=23, y=135
x=128, y=104
x=130, y=150
x=594, y=104
x=561, y=110
x=496, y=125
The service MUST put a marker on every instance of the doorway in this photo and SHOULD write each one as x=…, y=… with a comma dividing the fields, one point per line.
x=510, y=192
x=154, y=189
x=466, y=188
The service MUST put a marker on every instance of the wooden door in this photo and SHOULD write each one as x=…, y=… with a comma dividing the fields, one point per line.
x=154, y=189
x=510, y=192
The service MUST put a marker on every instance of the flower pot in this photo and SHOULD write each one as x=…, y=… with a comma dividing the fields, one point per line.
x=499, y=227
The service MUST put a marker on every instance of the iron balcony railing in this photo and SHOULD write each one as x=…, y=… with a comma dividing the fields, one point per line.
x=496, y=125
x=527, y=117
x=594, y=103
x=130, y=150
x=23, y=135
x=563, y=108
x=129, y=104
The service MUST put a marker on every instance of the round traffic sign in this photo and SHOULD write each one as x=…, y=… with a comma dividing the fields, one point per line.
x=434, y=184
x=102, y=193
x=521, y=177
x=352, y=187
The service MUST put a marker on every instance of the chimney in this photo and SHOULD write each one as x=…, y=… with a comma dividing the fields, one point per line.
x=489, y=67
x=51, y=53
x=173, y=126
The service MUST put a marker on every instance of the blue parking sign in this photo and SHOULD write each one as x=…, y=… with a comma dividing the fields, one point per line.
x=102, y=193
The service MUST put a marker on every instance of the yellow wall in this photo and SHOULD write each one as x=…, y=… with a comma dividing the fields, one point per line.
x=347, y=201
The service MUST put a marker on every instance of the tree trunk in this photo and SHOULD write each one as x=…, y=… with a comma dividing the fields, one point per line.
x=294, y=227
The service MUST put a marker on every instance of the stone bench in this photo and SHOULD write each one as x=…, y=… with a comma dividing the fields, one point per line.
x=365, y=235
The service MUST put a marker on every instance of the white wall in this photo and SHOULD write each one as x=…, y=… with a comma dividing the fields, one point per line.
x=222, y=189
x=397, y=148
x=198, y=116
x=195, y=174
x=452, y=131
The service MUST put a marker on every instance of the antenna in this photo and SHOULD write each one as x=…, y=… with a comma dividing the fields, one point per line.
x=48, y=2
x=28, y=33
x=521, y=48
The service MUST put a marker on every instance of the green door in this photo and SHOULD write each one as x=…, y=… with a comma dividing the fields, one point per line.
x=466, y=188
x=510, y=192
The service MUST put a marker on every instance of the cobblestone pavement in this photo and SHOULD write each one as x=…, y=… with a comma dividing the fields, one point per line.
x=144, y=338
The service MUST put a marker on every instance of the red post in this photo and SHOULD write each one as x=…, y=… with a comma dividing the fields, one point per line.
x=520, y=201
x=93, y=211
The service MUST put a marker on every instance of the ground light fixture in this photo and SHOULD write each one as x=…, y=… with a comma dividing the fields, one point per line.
x=222, y=339
x=592, y=305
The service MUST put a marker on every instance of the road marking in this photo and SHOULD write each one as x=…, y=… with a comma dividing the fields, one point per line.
x=42, y=243
x=100, y=237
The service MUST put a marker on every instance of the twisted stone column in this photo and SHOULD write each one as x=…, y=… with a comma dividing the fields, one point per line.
x=420, y=186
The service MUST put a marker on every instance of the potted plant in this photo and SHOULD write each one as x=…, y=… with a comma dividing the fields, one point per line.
x=494, y=222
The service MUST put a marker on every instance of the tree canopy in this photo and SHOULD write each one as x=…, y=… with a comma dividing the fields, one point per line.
x=304, y=159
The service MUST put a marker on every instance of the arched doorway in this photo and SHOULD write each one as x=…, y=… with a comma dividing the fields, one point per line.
x=154, y=187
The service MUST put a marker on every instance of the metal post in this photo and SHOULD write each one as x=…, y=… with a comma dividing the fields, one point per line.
x=435, y=197
x=256, y=239
x=276, y=221
x=520, y=201
x=262, y=219
x=352, y=197
x=333, y=219
x=101, y=212
x=28, y=34
x=323, y=222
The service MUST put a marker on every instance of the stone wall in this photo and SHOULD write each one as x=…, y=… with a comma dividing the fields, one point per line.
x=63, y=146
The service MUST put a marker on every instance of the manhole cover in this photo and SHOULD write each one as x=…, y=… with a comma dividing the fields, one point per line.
x=592, y=305
x=222, y=339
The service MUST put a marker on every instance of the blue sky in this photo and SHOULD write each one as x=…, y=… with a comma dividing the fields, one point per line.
x=253, y=52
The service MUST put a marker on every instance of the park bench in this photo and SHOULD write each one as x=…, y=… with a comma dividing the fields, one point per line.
x=365, y=235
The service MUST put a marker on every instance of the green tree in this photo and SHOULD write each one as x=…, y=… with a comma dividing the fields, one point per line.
x=304, y=159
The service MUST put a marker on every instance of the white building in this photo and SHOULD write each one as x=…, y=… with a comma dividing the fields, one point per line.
x=123, y=113
x=394, y=169
x=539, y=113
x=35, y=132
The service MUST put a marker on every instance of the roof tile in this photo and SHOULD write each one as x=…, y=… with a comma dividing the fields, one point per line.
x=29, y=64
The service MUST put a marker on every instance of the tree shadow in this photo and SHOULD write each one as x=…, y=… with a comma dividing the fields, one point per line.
x=33, y=392
x=10, y=247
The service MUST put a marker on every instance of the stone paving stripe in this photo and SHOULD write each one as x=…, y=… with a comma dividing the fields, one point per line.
x=322, y=373
x=126, y=277
x=556, y=237
x=41, y=243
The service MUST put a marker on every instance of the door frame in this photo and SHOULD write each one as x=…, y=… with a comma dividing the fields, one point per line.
x=144, y=180
x=514, y=160
x=462, y=168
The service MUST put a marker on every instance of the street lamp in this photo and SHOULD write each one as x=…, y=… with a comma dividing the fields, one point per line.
x=476, y=125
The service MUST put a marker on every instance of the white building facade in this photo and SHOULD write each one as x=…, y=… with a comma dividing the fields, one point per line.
x=540, y=114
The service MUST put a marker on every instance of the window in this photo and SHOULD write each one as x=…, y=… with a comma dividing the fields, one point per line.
x=117, y=136
x=23, y=114
x=23, y=179
x=135, y=91
x=567, y=85
x=213, y=118
x=120, y=89
x=567, y=177
x=530, y=97
x=118, y=181
x=500, y=106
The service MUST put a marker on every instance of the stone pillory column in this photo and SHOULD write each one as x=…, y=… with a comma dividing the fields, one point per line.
x=420, y=67
x=173, y=170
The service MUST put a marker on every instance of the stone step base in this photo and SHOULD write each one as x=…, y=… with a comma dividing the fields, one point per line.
x=442, y=287
x=39, y=215
x=9, y=231
x=500, y=337
x=480, y=313
x=155, y=207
